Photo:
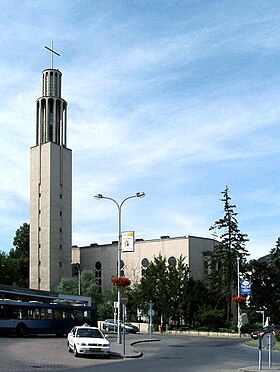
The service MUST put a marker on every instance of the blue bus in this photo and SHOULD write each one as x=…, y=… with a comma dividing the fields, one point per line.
x=34, y=317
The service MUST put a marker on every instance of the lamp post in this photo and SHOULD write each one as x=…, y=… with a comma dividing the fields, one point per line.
x=77, y=267
x=239, y=318
x=119, y=206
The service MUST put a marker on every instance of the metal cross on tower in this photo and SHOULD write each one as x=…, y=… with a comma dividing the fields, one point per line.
x=52, y=53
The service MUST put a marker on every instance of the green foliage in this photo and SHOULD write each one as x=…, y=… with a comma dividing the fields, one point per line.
x=213, y=319
x=224, y=257
x=104, y=303
x=195, y=296
x=105, y=307
x=67, y=286
x=176, y=296
x=153, y=287
x=266, y=286
x=88, y=285
x=14, y=266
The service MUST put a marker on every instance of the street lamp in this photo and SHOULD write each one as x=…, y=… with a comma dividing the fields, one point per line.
x=119, y=205
x=239, y=317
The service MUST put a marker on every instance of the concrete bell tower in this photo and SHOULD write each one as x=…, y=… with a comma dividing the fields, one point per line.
x=50, y=188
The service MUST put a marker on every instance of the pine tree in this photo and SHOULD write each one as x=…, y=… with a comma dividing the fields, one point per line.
x=231, y=245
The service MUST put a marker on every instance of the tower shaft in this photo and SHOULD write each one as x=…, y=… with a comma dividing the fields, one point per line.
x=50, y=189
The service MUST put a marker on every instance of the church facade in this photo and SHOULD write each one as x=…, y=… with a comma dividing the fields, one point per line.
x=102, y=259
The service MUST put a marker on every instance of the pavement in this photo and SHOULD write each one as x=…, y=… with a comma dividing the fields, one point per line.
x=256, y=368
x=128, y=349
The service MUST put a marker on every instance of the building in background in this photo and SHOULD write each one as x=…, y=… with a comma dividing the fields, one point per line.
x=103, y=258
x=50, y=189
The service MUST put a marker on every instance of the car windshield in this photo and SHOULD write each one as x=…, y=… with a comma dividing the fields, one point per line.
x=87, y=332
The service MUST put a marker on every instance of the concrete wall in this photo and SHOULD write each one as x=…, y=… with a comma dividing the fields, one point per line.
x=194, y=249
x=50, y=215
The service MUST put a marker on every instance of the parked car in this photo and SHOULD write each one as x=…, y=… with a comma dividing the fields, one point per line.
x=87, y=340
x=110, y=325
x=275, y=329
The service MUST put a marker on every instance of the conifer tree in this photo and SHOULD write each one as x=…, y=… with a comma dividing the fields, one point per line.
x=231, y=244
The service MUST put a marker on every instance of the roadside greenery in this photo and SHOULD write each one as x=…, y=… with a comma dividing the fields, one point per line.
x=14, y=266
x=230, y=246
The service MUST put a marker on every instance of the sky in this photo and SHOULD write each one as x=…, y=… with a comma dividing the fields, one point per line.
x=175, y=98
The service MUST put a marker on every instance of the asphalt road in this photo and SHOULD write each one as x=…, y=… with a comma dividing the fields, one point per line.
x=171, y=353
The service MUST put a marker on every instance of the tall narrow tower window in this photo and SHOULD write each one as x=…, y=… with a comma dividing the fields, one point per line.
x=51, y=120
x=51, y=84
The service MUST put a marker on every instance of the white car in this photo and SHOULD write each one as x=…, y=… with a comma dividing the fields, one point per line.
x=87, y=340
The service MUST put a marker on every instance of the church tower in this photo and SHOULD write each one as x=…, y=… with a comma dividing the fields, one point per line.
x=50, y=189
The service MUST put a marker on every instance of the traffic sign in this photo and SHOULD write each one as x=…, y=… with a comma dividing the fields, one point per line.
x=151, y=312
x=245, y=287
x=124, y=299
x=269, y=338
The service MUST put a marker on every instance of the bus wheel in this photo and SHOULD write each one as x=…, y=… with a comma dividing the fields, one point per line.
x=21, y=330
x=75, y=352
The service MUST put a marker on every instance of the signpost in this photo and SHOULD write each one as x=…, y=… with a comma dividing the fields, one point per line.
x=124, y=299
x=124, y=302
x=245, y=286
x=151, y=313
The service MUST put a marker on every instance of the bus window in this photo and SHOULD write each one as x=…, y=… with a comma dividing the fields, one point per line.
x=87, y=316
x=33, y=314
x=36, y=314
x=78, y=315
x=29, y=314
x=46, y=314
x=59, y=314
x=4, y=313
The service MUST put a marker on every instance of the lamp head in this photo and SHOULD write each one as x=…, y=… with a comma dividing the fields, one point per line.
x=98, y=196
x=140, y=194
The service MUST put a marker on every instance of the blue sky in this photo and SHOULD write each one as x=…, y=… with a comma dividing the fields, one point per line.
x=174, y=98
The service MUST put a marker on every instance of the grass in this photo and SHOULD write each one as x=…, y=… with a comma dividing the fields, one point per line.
x=255, y=343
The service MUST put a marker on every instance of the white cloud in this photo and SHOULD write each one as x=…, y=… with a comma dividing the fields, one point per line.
x=177, y=101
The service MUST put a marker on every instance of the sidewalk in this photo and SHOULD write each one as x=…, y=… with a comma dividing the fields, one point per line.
x=128, y=350
x=256, y=369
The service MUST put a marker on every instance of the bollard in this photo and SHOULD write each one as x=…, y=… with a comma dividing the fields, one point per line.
x=260, y=352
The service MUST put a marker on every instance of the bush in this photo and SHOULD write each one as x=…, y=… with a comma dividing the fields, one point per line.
x=213, y=319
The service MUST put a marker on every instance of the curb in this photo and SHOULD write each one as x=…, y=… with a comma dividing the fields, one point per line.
x=136, y=353
x=139, y=353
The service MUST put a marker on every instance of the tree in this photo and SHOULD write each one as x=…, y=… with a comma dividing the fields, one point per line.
x=224, y=257
x=162, y=284
x=7, y=269
x=104, y=303
x=15, y=265
x=152, y=288
x=88, y=285
x=266, y=285
x=196, y=296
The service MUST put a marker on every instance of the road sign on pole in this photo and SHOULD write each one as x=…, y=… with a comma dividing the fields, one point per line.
x=124, y=299
x=245, y=287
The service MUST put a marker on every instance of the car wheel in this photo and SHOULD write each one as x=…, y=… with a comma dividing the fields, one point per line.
x=107, y=329
x=76, y=352
x=69, y=348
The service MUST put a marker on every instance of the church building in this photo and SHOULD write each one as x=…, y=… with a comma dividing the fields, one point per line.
x=102, y=259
